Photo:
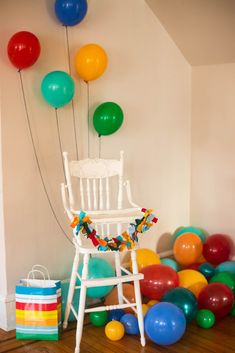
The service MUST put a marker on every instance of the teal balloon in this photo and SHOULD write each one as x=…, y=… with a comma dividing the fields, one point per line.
x=207, y=270
x=184, y=299
x=64, y=296
x=199, y=232
x=171, y=263
x=57, y=88
x=227, y=266
x=107, y=118
x=98, y=268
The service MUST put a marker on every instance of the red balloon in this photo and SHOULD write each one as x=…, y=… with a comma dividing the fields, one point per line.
x=216, y=249
x=23, y=49
x=193, y=266
x=216, y=297
x=158, y=279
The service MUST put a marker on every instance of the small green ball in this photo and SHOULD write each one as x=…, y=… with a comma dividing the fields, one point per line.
x=98, y=318
x=205, y=318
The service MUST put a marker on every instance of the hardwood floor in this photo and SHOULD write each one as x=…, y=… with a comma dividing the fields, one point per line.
x=219, y=339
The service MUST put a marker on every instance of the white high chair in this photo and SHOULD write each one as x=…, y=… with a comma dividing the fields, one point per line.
x=94, y=177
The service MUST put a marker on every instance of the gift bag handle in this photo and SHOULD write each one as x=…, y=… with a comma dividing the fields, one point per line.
x=32, y=272
x=37, y=266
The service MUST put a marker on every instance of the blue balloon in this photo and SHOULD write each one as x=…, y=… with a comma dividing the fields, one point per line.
x=165, y=323
x=98, y=268
x=130, y=324
x=70, y=12
x=64, y=296
x=115, y=314
x=227, y=266
x=171, y=263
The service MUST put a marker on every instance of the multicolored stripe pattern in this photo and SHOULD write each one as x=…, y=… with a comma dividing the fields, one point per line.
x=38, y=311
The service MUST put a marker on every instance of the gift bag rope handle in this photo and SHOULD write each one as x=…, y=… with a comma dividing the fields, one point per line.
x=37, y=266
x=32, y=272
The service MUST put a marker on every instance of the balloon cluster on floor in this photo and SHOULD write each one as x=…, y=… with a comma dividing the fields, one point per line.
x=198, y=284
x=90, y=62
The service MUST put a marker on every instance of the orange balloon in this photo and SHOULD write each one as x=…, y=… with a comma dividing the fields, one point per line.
x=192, y=280
x=128, y=292
x=187, y=248
x=91, y=62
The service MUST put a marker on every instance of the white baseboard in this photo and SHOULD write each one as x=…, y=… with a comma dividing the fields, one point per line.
x=7, y=312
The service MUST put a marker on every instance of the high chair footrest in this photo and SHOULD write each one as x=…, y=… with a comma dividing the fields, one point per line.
x=98, y=282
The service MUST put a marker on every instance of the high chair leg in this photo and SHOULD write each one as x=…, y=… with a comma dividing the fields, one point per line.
x=82, y=303
x=71, y=289
x=118, y=273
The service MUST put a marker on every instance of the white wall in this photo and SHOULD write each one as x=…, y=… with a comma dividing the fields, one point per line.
x=147, y=76
x=213, y=146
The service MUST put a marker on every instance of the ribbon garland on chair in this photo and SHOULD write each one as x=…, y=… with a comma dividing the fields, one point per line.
x=120, y=242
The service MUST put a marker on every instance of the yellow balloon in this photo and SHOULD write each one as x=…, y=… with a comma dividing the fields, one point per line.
x=145, y=257
x=152, y=302
x=114, y=330
x=192, y=280
x=91, y=62
x=145, y=308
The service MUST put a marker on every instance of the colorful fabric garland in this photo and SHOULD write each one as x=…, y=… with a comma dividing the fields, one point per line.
x=127, y=239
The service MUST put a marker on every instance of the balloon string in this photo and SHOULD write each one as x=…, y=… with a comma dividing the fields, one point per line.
x=59, y=139
x=73, y=110
x=37, y=160
x=88, y=120
x=99, y=146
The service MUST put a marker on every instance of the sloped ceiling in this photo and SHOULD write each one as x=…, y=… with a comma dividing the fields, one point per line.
x=204, y=30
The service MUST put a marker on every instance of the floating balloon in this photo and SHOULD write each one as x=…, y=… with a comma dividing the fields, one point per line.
x=192, y=280
x=216, y=297
x=182, y=230
x=57, y=88
x=70, y=12
x=226, y=278
x=205, y=318
x=183, y=299
x=23, y=49
x=107, y=118
x=227, y=266
x=158, y=279
x=114, y=330
x=90, y=62
x=171, y=263
x=187, y=249
x=207, y=270
x=216, y=249
x=130, y=324
x=98, y=268
x=145, y=257
x=165, y=323
x=98, y=318
x=128, y=292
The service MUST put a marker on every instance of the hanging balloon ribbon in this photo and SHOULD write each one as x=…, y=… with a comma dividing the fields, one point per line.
x=90, y=62
x=107, y=118
x=70, y=12
x=23, y=49
x=57, y=88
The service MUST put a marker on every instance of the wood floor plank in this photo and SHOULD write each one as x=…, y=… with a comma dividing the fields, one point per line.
x=219, y=339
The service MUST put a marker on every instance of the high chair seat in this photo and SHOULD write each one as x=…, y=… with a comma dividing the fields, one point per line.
x=95, y=199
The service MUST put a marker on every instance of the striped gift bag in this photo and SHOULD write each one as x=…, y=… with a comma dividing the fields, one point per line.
x=38, y=309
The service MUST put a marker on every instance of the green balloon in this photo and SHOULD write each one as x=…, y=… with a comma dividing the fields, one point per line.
x=98, y=318
x=98, y=268
x=107, y=118
x=182, y=230
x=57, y=88
x=205, y=318
x=225, y=278
x=232, y=312
x=184, y=299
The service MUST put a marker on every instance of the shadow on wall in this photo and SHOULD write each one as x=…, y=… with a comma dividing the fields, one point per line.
x=164, y=243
